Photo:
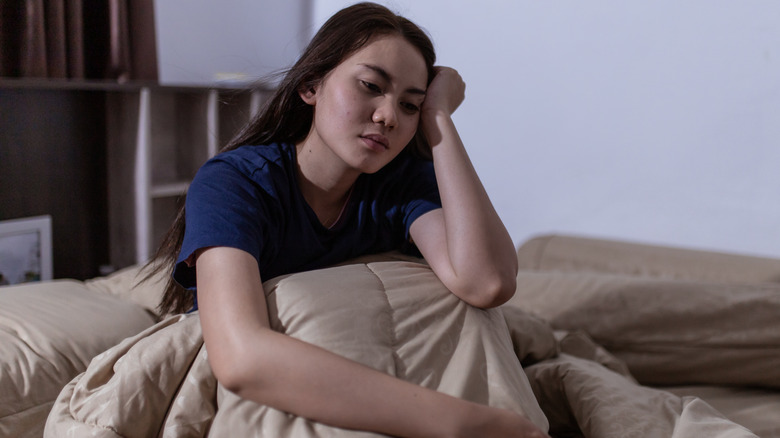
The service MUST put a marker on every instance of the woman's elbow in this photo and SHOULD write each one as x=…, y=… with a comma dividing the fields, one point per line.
x=232, y=373
x=239, y=368
x=492, y=293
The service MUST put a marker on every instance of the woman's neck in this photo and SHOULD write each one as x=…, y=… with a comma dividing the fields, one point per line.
x=325, y=181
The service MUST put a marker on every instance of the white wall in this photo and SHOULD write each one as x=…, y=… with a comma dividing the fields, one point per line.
x=650, y=121
x=228, y=41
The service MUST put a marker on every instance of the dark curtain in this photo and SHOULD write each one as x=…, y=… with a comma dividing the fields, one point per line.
x=78, y=39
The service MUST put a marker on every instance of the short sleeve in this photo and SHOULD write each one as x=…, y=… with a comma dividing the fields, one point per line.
x=421, y=192
x=224, y=207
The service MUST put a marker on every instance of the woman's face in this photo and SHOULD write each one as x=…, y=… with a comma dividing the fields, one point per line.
x=366, y=110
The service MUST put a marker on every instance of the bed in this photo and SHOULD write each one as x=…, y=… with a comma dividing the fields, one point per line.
x=602, y=339
x=692, y=323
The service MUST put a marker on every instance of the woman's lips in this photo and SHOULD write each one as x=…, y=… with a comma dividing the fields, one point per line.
x=376, y=141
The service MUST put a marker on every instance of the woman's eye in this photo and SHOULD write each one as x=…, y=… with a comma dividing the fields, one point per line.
x=373, y=87
x=410, y=107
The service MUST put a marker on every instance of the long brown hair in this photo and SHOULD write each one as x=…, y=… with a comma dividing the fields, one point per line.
x=287, y=118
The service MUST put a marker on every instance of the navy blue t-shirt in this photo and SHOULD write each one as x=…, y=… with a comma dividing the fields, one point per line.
x=249, y=199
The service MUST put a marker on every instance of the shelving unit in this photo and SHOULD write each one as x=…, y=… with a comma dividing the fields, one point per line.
x=109, y=162
x=167, y=133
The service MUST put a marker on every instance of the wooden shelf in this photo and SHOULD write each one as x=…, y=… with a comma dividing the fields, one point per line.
x=110, y=160
x=130, y=149
x=169, y=190
x=167, y=133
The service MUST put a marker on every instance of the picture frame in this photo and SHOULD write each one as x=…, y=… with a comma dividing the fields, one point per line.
x=25, y=250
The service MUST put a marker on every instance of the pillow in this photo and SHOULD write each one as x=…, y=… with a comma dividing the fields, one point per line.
x=668, y=332
x=571, y=254
x=127, y=284
x=399, y=318
x=49, y=332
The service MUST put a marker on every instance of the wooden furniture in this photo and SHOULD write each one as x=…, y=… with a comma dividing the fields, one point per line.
x=108, y=161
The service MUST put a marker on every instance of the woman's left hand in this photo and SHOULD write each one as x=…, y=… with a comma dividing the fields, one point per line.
x=445, y=93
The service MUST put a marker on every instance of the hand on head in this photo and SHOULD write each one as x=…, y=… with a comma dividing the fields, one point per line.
x=445, y=93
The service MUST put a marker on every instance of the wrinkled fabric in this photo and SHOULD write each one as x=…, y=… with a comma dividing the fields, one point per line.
x=49, y=332
x=396, y=317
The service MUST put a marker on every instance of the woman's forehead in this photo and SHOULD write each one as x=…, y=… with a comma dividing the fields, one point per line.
x=393, y=57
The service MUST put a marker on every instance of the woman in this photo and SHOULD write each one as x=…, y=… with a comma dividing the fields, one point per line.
x=328, y=172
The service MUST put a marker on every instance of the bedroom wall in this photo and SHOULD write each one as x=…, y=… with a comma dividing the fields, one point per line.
x=650, y=121
x=52, y=163
x=205, y=42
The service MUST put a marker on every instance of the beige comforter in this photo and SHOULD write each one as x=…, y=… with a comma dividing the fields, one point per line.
x=395, y=316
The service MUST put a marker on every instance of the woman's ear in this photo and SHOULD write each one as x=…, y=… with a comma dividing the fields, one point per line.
x=308, y=94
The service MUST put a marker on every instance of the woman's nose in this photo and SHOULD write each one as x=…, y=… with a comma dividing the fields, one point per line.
x=385, y=114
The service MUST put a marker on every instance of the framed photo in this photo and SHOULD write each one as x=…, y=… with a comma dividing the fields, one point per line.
x=25, y=250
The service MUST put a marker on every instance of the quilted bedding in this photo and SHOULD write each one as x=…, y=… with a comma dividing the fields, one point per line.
x=393, y=315
x=49, y=332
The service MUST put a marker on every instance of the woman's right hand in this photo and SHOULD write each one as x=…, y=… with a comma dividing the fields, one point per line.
x=500, y=423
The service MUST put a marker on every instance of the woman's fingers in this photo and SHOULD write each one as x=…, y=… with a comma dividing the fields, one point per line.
x=446, y=91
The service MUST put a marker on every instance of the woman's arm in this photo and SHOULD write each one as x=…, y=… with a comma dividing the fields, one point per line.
x=273, y=369
x=465, y=242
